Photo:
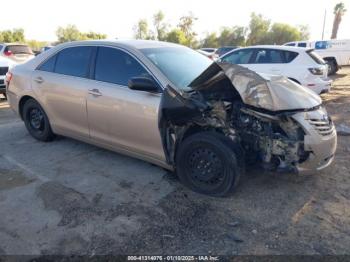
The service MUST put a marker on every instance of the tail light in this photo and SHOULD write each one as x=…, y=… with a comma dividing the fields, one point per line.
x=8, y=53
x=8, y=78
x=316, y=71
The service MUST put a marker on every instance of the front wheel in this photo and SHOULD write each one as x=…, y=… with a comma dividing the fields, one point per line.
x=206, y=163
x=36, y=121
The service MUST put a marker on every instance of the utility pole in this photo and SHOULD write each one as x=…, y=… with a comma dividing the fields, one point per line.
x=324, y=22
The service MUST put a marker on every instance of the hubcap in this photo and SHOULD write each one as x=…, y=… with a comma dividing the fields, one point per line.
x=206, y=168
x=36, y=119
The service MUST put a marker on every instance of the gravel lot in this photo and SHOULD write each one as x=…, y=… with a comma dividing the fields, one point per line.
x=67, y=197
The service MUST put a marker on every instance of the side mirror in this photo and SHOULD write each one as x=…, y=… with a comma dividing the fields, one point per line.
x=142, y=83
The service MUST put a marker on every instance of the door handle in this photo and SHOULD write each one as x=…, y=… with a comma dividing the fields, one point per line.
x=39, y=79
x=275, y=69
x=95, y=92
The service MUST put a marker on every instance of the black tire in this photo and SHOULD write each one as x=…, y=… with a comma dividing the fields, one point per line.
x=206, y=162
x=4, y=94
x=333, y=67
x=36, y=121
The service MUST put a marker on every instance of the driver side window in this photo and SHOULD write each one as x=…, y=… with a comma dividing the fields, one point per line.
x=117, y=67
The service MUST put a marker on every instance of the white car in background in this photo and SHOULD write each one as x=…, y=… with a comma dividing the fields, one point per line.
x=208, y=52
x=301, y=65
x=5, y=65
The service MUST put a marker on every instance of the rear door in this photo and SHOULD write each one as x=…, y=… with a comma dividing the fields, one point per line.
x=61, y=84
x=118, y=116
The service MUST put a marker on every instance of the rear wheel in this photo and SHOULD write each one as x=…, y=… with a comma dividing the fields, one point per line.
x=207, y=164
x=36, y=121
x=332, y=67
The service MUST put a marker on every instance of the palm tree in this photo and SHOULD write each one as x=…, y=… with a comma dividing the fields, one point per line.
x=339, y=11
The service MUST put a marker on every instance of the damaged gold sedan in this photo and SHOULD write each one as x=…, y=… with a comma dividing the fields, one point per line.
x=169, y=105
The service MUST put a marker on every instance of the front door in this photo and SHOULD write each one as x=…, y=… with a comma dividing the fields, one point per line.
x=117, y=115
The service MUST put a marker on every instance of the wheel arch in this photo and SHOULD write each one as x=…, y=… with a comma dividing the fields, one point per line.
x=21, y=103
x=331, y=59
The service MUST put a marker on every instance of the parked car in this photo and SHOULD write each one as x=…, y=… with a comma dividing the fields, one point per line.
x=45, y=48
x=224, y=49
x=170, y=105
x=212, y=55
x=301, y=65
x=18, y=53
x=209, y=49
x=5, y=64
x=335, y=52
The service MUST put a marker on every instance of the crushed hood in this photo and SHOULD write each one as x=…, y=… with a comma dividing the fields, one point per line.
x=273, y=93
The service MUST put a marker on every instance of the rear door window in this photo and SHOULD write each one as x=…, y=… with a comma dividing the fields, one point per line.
x=268, y=56
x=74, y=61
x=303, y=44
x=116, y=66
x=239, y=56
x=289, y=56
x=273, y=56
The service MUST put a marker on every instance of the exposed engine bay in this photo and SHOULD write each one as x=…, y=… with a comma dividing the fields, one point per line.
x=218, y=102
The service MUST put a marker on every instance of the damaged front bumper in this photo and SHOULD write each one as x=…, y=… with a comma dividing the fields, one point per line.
x=320, y=140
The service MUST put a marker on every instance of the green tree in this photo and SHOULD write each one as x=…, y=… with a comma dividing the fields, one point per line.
x=282, y=33
x=94, y=36
x=339, y=11
x=211, y=40
x=10, y=36
x=234, y=36
x=161, y=28
x=304, y=32
x=141, y=30
x=177, y=36
x=68, y=33
x=258, y=29
x=186, y=26
x=72, y=33
x=36, y=45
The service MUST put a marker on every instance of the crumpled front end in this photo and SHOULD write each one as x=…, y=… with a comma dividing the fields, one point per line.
x=320, y=139
x=270, y=120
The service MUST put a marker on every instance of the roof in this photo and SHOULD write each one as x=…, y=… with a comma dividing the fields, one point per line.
x=134, y=44
x=280, y=47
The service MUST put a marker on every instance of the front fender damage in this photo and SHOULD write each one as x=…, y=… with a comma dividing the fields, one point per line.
x=239, y=104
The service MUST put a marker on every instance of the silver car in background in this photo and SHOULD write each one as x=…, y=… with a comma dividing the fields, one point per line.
x=169, y=105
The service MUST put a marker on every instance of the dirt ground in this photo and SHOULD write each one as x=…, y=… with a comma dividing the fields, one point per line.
x=67, y=197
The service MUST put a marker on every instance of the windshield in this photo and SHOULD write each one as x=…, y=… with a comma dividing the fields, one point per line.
x=181, y=65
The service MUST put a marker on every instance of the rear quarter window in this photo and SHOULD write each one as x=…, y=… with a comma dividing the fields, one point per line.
x=48, y=65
